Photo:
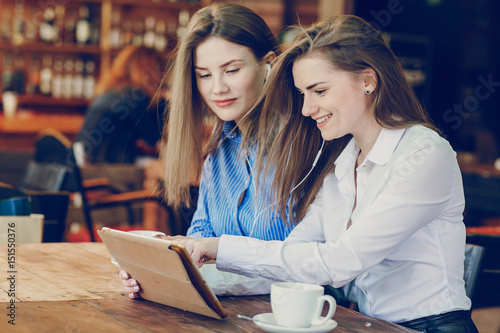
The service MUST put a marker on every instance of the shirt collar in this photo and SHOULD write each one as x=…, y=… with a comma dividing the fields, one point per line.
x=384, y=147
x=380, y=153
x=231, y=131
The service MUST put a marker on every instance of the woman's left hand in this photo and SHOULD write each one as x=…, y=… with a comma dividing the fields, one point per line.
x=200, y=249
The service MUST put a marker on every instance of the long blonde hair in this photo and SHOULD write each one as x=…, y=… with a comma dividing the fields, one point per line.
x=288, y=142
x=187, y=114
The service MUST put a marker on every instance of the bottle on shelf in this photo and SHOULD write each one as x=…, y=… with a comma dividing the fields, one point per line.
x=149, y=34
x=115, y=33
x=89, y=80
x=128, y=33
x=95, y=34
x=19, y=77
x=18, y=24
x=47, y=30
x=67, y=81
x=59, y=19
x=83, y=28
x=7, y=73
x=77, y=84
x=33, y=87
x=183, y=22
x=161, y=41
x=46, y=76
x=69, y=27
x=6, y=26
x=138, y=32
x=31, y=26
x=57, y=79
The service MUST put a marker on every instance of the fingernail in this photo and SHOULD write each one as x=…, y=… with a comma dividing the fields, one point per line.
x=131, y=295
x=136, y=288
x=124, y=275
x=133, y=282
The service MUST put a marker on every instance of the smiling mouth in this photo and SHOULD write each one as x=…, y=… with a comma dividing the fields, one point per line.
x=323, y=119
x=224, y=102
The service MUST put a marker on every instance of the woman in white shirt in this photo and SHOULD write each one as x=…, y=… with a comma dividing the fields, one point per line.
x=386, y=211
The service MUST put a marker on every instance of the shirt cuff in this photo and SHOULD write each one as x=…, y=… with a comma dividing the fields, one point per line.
x=237, y=254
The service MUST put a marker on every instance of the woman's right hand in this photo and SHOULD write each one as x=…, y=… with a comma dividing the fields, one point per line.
x=131, y=286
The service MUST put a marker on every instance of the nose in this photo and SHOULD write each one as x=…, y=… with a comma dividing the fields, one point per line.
x=309, y=107
x=220, y=86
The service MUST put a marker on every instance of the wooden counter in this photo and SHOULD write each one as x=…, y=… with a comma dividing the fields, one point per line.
x=18, y=133
x=73, y=287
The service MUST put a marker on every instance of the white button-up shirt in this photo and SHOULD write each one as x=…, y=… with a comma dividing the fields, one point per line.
x=406, y=244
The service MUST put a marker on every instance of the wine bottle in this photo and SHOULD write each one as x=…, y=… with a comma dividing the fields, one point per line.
x=57, y=80
x=33, y=87
x=67, y=81
x=161, y=40
x=89, y=80
x=115, y=38
x=47, y=29
x=149, y=34
x=7, y=74
x=77, y=83
x=46, y=76
x=83, y=28
x=18, y=24
x=138, y=32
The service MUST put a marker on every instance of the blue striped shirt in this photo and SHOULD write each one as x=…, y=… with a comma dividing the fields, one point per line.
x=227, y=201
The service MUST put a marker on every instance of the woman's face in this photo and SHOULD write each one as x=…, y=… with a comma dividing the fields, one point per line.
x=229, y=77
x=335, y=99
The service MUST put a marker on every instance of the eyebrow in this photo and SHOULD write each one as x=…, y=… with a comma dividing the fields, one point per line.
x=313, y=85
x=223, y=65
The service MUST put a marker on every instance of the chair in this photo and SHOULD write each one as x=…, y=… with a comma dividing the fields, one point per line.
x=487, y=292
x=15, y=206
x=6, y=192
x=54, y=207
x=54, y=167
x=473, y=266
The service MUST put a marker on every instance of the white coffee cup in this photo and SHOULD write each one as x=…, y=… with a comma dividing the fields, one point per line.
x=300, y=304
x=9, y=103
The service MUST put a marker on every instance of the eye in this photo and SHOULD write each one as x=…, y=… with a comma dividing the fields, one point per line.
x=319, y=92
x=204, y=76
x=232, y=71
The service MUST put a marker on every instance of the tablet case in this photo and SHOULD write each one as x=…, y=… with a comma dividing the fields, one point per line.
x=165, y=271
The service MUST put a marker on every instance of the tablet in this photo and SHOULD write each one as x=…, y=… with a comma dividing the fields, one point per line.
x=165, y=271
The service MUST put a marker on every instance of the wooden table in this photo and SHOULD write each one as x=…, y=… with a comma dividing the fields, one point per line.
x=73, y=287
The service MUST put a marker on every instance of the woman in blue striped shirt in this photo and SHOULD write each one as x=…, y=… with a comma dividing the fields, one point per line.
x=221, y=67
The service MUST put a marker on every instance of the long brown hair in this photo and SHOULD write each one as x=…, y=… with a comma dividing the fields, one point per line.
x=136, y=66
x=188, y=113
x=288, y=142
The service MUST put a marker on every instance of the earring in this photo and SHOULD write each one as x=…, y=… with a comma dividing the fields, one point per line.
x=368, y=92
x=268, y=66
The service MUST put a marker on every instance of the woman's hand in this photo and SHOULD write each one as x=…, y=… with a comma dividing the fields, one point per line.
x=200, y=249
x=131, y=286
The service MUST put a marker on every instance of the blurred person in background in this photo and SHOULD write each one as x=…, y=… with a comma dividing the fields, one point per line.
x=127, y=110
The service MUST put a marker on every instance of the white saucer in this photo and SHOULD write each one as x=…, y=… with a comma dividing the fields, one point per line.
x=267, y=322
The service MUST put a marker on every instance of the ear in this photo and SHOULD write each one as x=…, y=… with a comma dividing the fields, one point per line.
x=269, y=57
x=370, y=80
